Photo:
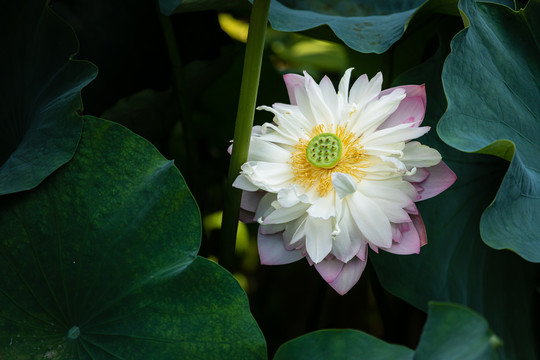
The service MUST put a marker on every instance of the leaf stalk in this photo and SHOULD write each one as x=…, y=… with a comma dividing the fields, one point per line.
x=242, y=130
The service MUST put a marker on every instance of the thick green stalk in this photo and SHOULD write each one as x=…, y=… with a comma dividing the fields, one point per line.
x=244, y=123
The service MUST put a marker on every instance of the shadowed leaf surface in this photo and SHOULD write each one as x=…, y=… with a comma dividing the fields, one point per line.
x=492, y=79
x=40, y=94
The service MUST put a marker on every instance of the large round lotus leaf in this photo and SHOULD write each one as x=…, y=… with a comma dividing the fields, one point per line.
x=492, y=81
x=39, y=94
x=95, y=263
x=451, y=332
x=456, y=265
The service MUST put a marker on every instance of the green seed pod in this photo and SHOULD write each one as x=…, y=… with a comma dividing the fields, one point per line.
x=324, y=150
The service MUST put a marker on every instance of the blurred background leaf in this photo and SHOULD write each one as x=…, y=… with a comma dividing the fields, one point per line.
x=451, y=332
x=493, y=108
x=94, y=263
x=40, y=95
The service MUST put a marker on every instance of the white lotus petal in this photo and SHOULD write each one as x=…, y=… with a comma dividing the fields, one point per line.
x=343, y=87
x=293, y=115
x=286, y=214
x=385, y=149
x=268, y=176
x=277, y=138
x=343, y=184
x=305, y=107
x=290, y=135
x=323, y=207
x=400, y=167
x=376, y=112
x=320, y=110
x=289, y=126
x=329, y=94
x=260, y=150
x=396, y=190
x=242, y=182
x=265, y=207
x=399, y=133
x=295, y=231
x=370, y=219
x=394, y=212
x=416, y=154
x=287, y=197
x=348, y=242
x=364, y=91
x=318, y=238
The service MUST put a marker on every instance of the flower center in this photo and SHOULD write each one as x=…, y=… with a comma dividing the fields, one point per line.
x=324, y=150
x=335, y=152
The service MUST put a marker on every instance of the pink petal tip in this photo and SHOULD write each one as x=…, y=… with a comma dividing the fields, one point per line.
x=349, y=276
x=440, y=178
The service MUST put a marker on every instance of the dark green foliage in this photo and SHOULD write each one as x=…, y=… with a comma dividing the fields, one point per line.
x=451, y=333
x=493, y=108
x=102, y=245
x=39, y=95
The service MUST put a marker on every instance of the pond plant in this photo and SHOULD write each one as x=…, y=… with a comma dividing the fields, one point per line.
x=405, y=132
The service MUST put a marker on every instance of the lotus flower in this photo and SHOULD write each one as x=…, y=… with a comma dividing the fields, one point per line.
x=338, y=172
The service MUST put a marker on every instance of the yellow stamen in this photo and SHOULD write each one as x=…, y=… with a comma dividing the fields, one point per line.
x=352, y=161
